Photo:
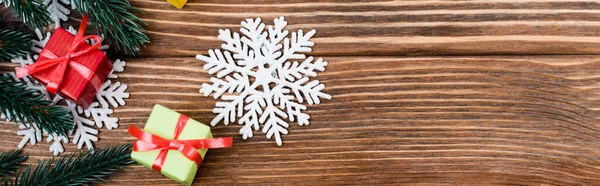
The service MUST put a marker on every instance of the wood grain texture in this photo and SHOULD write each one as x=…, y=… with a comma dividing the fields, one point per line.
x=445, y=120
x=477, y=102
x=383, y=27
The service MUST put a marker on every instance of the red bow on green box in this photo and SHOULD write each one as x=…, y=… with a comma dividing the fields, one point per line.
x=189, y=148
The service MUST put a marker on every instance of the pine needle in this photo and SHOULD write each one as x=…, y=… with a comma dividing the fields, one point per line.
x=10, y=162
x=115, y=19
x=32, y=12
x=27, y=106
x=88, y=168
x=14, y=43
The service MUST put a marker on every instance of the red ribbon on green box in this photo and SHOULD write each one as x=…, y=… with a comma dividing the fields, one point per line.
x=189, y=148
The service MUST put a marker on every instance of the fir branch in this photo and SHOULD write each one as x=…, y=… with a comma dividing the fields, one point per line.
x=92, y=167
x=10, y=162
x=116, y=20
x=28, y=106
x=31, y=11
x=14, y=43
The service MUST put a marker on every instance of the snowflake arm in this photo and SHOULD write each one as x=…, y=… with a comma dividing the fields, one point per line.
x=83, y=133
x=276, y=35
x=221, y=63
x=311, y=92
x=240, y=51
x=57, y=143
x=30, y=134
x=293, y=71
x=250, y=119
x=23, y=61
x=294, y=110
x=254, y=36
x=58, y=11
x=298, y=43
x=118, y=66
x=237, y=83
x=112, y=93
x=42, y=40
x=73, y=4
x=274, y=126
x=101, y=116
x=226, y=111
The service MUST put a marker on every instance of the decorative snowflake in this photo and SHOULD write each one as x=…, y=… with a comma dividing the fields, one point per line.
x=58, y=10
x=257, y=80
x=111, y=95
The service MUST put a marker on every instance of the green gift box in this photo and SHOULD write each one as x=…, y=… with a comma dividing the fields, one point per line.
x=164, y=123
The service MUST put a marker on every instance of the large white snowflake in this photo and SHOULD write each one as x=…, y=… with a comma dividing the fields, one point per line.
x=111, y=95
x=258, y=79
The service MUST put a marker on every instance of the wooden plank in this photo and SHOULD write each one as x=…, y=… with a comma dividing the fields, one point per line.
x=462, y=120
x=383, y=27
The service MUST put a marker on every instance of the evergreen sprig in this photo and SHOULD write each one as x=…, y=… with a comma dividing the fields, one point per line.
x=14, y=43
x=10, y=162
x=27, y=106
x=30, y=11
x=92, y=167
x=115, y=19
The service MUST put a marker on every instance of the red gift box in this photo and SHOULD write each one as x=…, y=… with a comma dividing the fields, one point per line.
x=70, y=66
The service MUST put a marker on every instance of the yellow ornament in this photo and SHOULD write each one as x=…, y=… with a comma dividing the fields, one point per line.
x=178, y=3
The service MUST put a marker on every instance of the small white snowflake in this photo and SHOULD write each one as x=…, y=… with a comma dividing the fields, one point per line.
x=258, y=80
x=111, y=95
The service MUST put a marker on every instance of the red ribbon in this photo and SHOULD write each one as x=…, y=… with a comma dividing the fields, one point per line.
x=189, y=148
x=60, y=63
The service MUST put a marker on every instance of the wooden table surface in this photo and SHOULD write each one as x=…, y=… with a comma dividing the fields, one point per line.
x=433, y=92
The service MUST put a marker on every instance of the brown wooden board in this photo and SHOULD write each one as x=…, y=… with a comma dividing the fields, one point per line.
x=463, y=109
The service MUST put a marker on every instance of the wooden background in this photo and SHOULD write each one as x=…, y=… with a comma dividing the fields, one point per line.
x=471, y=92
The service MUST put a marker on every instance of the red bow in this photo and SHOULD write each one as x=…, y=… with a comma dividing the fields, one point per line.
x=60, y=63
x=189, y=148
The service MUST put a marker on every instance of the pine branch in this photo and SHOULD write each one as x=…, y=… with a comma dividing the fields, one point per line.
x=92, y=167
x=14, y=43
x=31, y=11
x=10, y=162
x=116, y=20
x=27, y=106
